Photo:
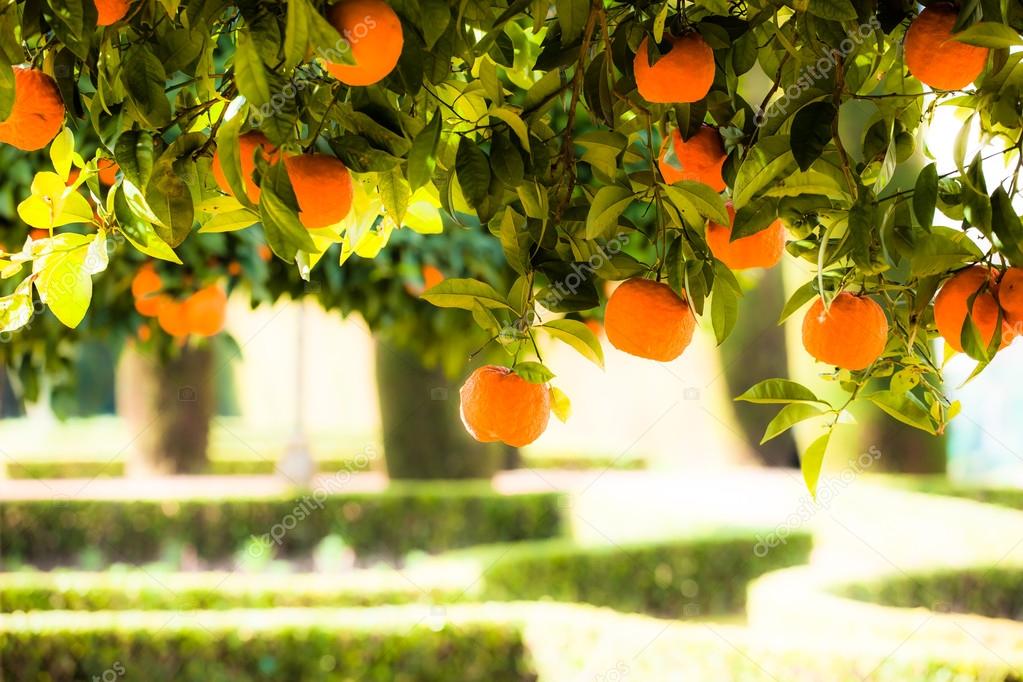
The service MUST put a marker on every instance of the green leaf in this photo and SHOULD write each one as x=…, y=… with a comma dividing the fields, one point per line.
x=925, y=195
x=296, y=33
x=6, y=86
x=572, y=16
x=394, y=194
x=779, y=391
x=789, y=416
x=422, y=159
x=561, y=406
x=465, y=293
x=756, y=216
x=62, y=151
x=904, y=408
x=837, y=10
x=724, y=310
x=812, y=461
x=1006, y=226
x=472, y=167
x=607, y=206
x=580, y=337
x=436, y=16
x=798, y=299
x=515, y=122
x=249, y=70
x=700, y=197
x=990, y=34
x=514, y=241
x=533, y=372
x=769, y=159
x=63, y=280
x=140, y=233
x=143, y=77
x=285, y=234
x=16, y=309
x=170, y=199
x=811, y=131
x=135, y=155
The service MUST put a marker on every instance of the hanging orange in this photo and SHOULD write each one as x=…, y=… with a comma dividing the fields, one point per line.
x=1010, y=291
x=699, y=158
x=762, y=249
x=950, y=307
x=499, y=405
x=38, y=111
x=206, y=311
x=173, y=318
x=373, y=33
x=684, y=74
x=649, y=320
x=935, y=57
x=107, y=172
x=323, y=188
x=249, y=144
x=850, y=334
x=111, y=11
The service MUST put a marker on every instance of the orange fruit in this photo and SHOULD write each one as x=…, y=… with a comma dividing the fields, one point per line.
x=373, y=32
x=234, y=268
x=432, y=276
x=649, y=320
x=499, y=405
x=144, y=333
x=699, y=158
x=264, y=252
x=173, y=317
x=950, y=307
x=37, y=234
x=1010, y=291
x=206, y=311
x=323, y=188
x=763, y=249
x=937, y=59
x=38, y=111
x=684, y=74
x=249, y=144
x=111, y=11
x=850, y=334
x=108, y=170
x=595, y=326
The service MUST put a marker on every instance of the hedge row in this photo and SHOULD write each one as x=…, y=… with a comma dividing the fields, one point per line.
x=995, y=591
x=684, y=577
x=125, y=590
x=374, y=645
x=469, y=643
x=114, y=468
x=431, y=517
x=251, y=466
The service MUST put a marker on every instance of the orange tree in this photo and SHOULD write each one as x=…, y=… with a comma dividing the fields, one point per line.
x=477, y=109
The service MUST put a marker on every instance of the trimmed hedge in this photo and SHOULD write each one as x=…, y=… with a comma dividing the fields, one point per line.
x=124, y=590
x=684, y=577
x=373, y=645
x=100, y=468
x=994, y=592
x=431, y=517
x=939, y=485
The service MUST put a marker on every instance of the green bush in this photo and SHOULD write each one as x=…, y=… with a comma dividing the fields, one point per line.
x=994, y=591
x=692, y=576
x=374, y=645
x=430, y=517
x=940, y=485
x=220, y=466
x=132, y=589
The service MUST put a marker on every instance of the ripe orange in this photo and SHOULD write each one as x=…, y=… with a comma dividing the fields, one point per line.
x=234, y=268
x=146, y=281
x=373, y=32
x=37, y=234
x=173, y=317
x=937, y=59
x=264, y=252
x=1010, y=291
x=206, y=311
x=111, y=11
x=763, y=249
x=699, y=158
x=648, y=319
x=144, y=333
x=595, y=326
x=249, y=144
x=950, y=307
x=323, y=188
x=684, y=74
x=499, y=405
x=432, y=276
x=38, y=111
x=850, y=334
x=108, y=170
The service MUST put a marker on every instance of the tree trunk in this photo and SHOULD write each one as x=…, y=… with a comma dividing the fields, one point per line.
x=167, y=405
x=423, y=433
x=756, y=351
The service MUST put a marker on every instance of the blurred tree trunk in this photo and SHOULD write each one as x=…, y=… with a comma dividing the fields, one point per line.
x=756, y=351
x=423, y=433
x=902, y=448
x=168, y=405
